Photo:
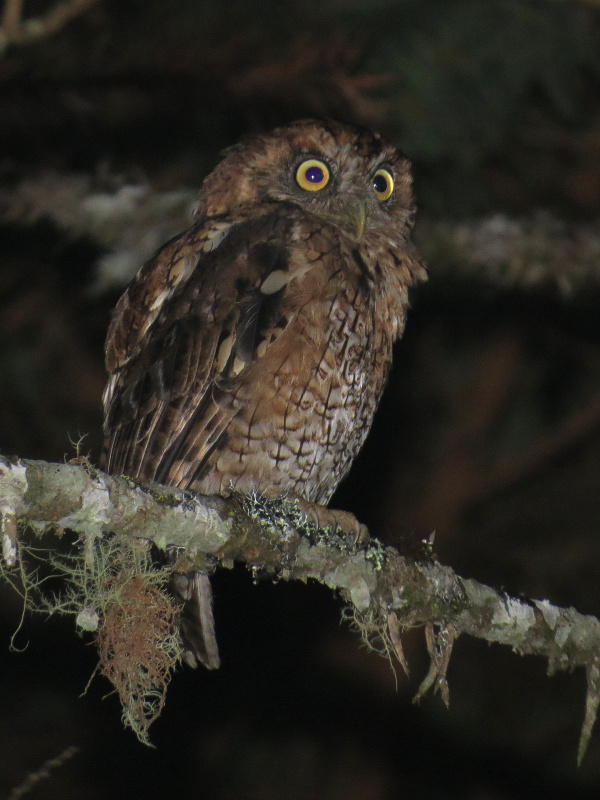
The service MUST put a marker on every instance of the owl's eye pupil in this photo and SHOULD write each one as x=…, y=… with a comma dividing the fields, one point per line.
x=380, y=184
x=314, y=174
x=383, y=185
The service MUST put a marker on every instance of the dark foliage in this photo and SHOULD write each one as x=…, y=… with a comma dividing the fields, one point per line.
x=488, y=434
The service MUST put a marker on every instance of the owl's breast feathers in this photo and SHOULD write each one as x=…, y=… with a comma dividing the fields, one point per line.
x=253, y=354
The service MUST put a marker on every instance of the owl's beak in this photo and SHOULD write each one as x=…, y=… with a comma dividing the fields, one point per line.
x=357, y=216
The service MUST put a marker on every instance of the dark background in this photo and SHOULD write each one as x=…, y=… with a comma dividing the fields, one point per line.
x=488, y=433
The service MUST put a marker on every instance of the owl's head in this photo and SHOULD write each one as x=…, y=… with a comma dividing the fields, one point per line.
x=345, y=175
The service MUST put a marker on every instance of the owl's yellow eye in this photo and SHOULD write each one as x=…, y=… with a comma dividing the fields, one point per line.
x=383, y=185
x=312, y=175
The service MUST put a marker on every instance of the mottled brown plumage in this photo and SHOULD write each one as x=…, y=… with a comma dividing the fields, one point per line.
x=252, y=350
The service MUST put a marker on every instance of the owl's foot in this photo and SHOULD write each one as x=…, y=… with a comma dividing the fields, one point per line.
x=341, y=522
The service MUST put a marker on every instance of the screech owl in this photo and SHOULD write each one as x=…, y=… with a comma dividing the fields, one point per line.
x=252, y=350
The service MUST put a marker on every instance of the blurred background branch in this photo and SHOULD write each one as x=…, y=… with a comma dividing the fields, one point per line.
x=129, y=221
x=14, y=30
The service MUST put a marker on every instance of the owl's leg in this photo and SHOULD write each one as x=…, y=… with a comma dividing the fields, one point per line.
x=197, y=625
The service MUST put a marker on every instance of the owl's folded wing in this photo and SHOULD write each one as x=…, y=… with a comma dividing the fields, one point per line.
x=204, y=309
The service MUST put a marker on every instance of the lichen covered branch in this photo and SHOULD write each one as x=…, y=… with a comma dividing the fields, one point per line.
x=274, y=537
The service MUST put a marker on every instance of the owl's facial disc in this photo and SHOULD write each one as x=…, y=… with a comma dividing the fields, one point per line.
x=348, y=193
x=342, y=205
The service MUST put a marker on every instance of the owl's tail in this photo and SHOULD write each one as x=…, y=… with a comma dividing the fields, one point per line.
x=197, y=624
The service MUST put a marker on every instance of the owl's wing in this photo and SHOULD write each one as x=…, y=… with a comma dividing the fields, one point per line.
x=208, y=305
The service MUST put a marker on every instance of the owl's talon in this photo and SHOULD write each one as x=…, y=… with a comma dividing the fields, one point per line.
x=341, y=522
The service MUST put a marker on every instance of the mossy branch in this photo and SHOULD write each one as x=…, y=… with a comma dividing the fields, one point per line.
x=387, y=591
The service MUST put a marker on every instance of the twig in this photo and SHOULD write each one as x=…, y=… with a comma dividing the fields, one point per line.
x=14, y=31
x=456, y=481
x=11, y=17
x=578, y=425
x=43, y=772
x=439, y=647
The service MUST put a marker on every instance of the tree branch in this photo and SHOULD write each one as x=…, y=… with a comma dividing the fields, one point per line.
x=274, y=537
x=130, y=221
x=16, y=31
x=527, y=253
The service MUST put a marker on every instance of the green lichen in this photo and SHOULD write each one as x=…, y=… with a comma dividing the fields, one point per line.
x=280, y=514
x=376, y=555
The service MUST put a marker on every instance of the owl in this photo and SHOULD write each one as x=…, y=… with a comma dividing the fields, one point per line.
x=251, y=351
